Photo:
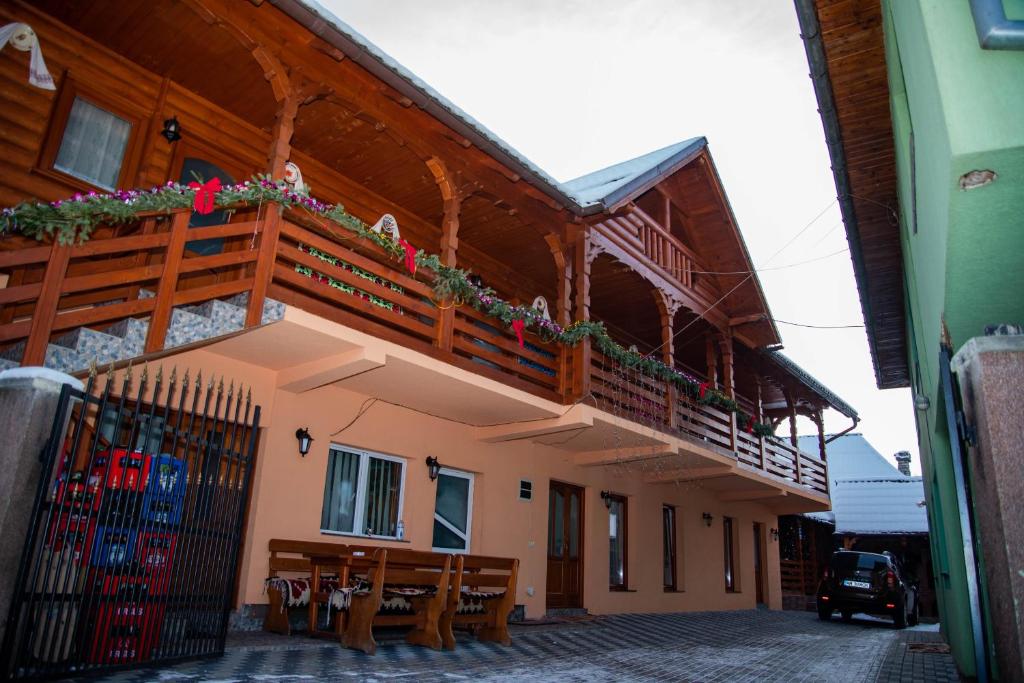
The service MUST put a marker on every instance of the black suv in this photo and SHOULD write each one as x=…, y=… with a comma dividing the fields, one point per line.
x=868, y=583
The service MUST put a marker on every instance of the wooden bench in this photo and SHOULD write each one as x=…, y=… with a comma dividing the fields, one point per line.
x=288, y=581
x=481, y=595
x=385, y=587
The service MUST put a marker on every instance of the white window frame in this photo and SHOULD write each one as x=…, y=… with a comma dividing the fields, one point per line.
x=359, y=517
x=469, y=513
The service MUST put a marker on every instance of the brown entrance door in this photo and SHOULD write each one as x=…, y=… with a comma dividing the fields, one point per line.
x=760, y=580
x=565, y=546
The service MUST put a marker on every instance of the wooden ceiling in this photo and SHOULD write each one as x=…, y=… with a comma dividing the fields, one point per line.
x=171, y=39
x=853, y=40
x=625, y=302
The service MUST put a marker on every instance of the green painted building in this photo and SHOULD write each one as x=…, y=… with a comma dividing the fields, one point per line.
x=922, y=103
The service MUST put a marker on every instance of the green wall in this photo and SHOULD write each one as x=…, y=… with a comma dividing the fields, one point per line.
x=955, y=108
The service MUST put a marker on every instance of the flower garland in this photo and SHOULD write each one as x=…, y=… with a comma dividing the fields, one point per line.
x=345, y=287
x=74, y=219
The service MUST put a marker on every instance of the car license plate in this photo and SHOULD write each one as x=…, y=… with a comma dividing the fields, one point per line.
x=856, y=584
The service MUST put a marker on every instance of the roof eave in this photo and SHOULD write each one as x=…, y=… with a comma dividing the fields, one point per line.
x=810, y=32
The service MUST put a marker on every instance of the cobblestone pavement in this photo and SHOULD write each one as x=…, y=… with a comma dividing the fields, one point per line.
x=713, y=646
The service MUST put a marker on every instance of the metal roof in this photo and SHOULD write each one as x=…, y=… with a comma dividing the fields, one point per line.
x=611, y=185
x=810, y=382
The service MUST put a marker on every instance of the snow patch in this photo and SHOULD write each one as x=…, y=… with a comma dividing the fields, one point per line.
x=41, y=373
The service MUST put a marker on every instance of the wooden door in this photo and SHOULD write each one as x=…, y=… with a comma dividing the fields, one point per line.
x=565, y=545
x=760, y=580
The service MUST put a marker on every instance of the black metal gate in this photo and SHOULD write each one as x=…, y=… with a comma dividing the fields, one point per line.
x=132, y=549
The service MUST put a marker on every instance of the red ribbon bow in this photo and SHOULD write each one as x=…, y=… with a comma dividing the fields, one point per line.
x=750, y=426
x=205, y=193
x=410, y=255
x=703, y=388
x=518, y=326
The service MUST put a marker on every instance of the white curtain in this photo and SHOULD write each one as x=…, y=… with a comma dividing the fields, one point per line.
x=93, y=146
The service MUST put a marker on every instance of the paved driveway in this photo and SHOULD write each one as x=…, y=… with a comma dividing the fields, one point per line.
x=717, y=646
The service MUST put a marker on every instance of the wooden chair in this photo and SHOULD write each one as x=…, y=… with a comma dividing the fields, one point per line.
x=482, y=594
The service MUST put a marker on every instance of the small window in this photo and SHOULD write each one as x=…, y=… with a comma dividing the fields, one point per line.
x=617, y=542
x=362, y=493
x=731, y=584
x=668, y=543
x=525, y=489
x=93, y=145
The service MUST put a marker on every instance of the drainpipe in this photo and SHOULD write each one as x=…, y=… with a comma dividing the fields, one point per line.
x=995, y=31
x=856, y=421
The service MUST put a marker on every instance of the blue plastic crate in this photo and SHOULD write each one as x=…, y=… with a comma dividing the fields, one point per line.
x=164, y=496
x=112, y=546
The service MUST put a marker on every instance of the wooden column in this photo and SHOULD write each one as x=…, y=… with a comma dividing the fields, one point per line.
x=160, y=319
x=562, y=313
x=728, y=368
x=579, y=246
x=791, y=404
x=449, y=257
x=667, y=308
x=45, y=311
x=711, y=356
x=759, y=416
x=819, y=418
x=281, y=135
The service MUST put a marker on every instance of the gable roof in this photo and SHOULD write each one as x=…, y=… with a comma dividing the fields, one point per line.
x=609, y=186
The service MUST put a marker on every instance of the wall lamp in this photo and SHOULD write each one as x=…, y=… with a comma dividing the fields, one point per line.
x=305, y=440
x=172, y=129
x=707, y=518
x=433, y=467
x=774, y=533
x=606, y=496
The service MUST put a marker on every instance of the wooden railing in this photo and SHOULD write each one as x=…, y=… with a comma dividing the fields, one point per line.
x=648, y=401
x=299, y=260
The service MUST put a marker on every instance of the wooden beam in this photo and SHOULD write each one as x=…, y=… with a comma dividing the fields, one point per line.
x=46, y=306
x=575, y=419
x=281, y=136
x=165, y=289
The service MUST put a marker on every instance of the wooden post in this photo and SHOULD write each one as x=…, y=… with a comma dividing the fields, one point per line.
x=563, y=312
x=794, y=441
x=281, y=135
x=45, y=311
x=449, y=257
x=666, y=310
x=759, y=415
x=711, y=356
x=820, y=420
x=580, y=247
x=269, y=233
x=728, y=369
x=168, y=284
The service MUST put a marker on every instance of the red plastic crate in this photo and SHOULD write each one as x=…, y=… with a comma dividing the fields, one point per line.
x=72, y=528
x=155, y=554
x=122, y=631
x=128, y=471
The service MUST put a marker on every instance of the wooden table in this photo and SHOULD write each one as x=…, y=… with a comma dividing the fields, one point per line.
x=320, y=564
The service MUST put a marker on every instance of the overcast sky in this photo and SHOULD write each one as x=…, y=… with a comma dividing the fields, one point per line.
x=576, y=85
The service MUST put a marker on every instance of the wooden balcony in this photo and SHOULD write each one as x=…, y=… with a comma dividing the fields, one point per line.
x=147, y=270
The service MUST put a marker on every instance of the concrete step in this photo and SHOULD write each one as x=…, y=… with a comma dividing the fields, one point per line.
x=132, y=332
x=187, y=328
x=57, y=357
x=226, y=318
x=91, y=345
x=272, y=310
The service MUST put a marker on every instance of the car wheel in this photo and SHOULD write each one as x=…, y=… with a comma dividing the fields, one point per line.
x=899, y=619
x=824, y=613
x=847, y=615
x=915, y=615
